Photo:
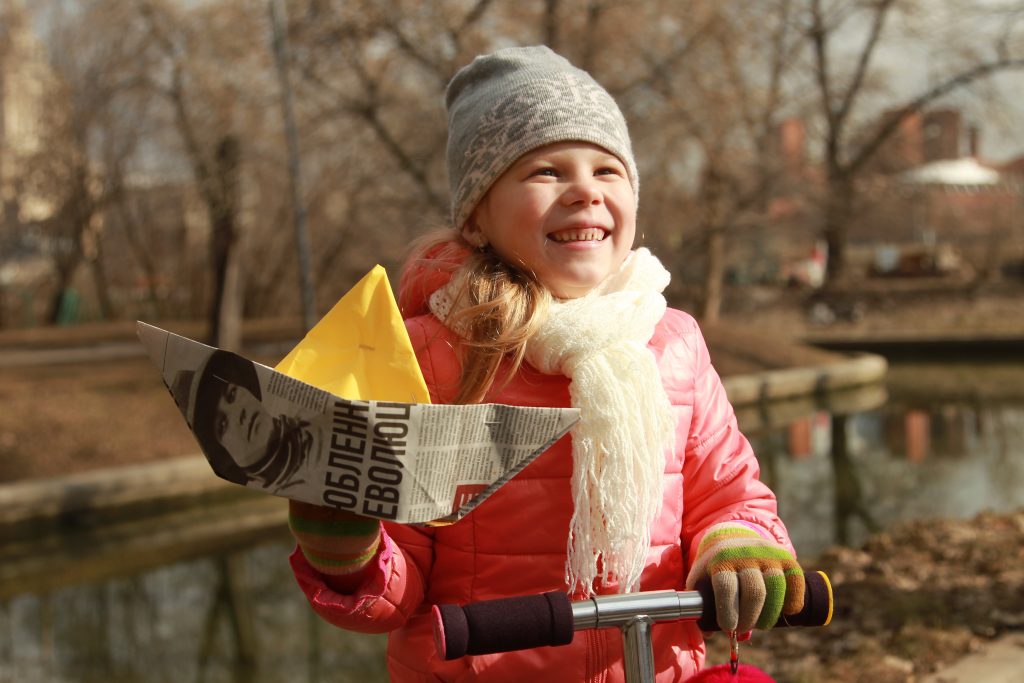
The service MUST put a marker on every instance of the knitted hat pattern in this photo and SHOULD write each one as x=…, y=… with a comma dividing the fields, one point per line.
x=513, y=101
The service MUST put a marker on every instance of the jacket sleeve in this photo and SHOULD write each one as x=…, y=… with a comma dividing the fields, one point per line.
x=388, y=596
x=720, y=471
x=396, y=586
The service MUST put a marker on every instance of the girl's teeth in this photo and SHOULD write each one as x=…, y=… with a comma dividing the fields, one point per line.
x=579, y=235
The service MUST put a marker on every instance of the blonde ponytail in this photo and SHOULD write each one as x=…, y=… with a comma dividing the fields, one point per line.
x=496, y=308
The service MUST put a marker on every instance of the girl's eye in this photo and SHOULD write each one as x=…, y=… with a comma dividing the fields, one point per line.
x=222, y=426
x=229, y=395
x=607, y=170
x=547, y=171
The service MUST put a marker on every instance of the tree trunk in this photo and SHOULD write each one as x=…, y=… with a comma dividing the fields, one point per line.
x=306, y=288
x=551, y=23
x=225, y=308
x=229, y=314
x=102, y=286
x=714, y=277
x=144, y=257
x=838, y=210
x=94, y=255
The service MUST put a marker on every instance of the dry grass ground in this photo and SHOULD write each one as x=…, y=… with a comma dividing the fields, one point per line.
x=69, y=418
x=910, y=602
x=72, y=417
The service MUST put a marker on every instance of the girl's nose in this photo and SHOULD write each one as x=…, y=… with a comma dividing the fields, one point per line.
x=582, y=191
x=241, y=416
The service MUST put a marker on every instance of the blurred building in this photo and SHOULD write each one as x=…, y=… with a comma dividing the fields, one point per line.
x=24, y=81
x=25, y=78
x=927, y=204
x=931, y=206
x=943, y=135
x=154, y=235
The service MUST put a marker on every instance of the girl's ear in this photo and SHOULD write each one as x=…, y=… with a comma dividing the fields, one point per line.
x=473, y=234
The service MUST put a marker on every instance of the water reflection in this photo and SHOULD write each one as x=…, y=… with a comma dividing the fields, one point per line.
x=841, y=477
x=225, y=619
x=842, y=467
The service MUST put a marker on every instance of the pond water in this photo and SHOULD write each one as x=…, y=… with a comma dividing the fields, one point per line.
x=947, y=441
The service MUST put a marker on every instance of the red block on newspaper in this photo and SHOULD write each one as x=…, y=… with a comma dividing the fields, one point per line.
x=466, y=493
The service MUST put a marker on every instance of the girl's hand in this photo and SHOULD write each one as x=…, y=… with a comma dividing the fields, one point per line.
x=754, y=579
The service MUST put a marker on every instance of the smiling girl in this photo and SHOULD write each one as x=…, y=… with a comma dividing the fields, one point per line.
x=536, y=297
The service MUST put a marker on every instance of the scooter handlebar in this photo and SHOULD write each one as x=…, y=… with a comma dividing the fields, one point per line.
x=503, y=625
x=550, y=619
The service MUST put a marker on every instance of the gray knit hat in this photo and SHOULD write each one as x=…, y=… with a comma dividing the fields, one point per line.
x=510, y=102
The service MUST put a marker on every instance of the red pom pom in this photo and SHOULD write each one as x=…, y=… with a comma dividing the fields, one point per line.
x=721, y=674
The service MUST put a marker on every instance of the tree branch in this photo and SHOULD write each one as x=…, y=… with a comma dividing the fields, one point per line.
x=369, y=111
x=819, y=40
x=867, y=52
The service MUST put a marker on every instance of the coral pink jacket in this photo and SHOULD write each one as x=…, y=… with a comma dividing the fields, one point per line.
x=515, y=542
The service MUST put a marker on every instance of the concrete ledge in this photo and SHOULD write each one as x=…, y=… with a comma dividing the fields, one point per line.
x=84, y=499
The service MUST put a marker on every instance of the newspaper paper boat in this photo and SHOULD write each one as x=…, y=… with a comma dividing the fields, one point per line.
x=406, y=462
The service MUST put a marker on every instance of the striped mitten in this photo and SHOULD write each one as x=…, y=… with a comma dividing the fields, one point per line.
x=754, y=579
x=340, y=545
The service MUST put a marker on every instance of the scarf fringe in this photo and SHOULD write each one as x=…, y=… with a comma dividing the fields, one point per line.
x=626, y=422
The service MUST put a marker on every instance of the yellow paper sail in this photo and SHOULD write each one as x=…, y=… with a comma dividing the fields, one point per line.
x=360, y=350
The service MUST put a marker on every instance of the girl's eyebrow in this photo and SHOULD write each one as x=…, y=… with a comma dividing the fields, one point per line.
x=531, y=158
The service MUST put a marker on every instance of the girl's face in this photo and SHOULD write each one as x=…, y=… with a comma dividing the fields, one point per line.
x=564, y=212
x=242, y=426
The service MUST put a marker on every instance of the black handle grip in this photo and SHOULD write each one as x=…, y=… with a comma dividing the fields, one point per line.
x=817, y=610
x=503, y=625
x=530, y=621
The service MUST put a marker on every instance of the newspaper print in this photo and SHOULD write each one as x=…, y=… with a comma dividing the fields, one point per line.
x=405, y=462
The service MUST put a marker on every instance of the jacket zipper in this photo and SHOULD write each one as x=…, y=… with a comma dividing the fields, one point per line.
x=597, y=671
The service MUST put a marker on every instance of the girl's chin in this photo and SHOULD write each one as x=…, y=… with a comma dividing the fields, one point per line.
x=572, y=288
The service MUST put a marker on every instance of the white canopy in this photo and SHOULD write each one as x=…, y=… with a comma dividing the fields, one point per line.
x=965, y=171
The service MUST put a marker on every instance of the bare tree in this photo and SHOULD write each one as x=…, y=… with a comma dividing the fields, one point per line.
x=368, y=98
x=739, y=79
x=203, y=100
x=703, y=84
x=844, y=85
x=282, y=62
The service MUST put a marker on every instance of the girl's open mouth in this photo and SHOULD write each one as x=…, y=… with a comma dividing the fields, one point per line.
x=579, y=235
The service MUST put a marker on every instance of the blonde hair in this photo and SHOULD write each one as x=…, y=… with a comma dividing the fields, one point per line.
x=496, y=309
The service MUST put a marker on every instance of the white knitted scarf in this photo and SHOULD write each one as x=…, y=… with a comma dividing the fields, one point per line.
x=600, y=341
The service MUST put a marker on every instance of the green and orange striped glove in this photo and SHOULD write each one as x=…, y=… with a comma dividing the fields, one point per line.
x=339, y=545
x=754, y=579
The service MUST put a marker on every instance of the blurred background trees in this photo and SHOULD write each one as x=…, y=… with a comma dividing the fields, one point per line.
x=144, y=165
